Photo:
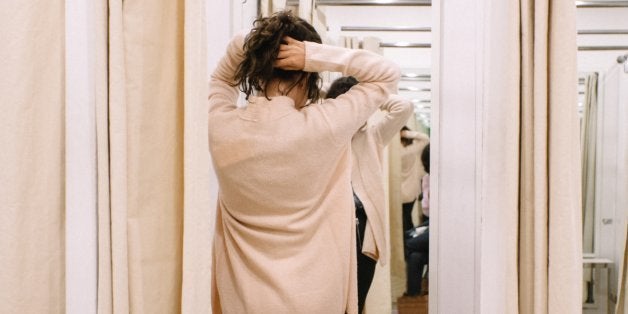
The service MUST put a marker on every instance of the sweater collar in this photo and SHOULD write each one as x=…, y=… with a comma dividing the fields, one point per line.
x=260, y=108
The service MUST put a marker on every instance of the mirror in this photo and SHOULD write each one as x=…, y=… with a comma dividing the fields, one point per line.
x=602, y=99
x=406, y=39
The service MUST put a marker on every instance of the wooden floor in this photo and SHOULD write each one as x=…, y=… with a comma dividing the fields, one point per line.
x=413, y=305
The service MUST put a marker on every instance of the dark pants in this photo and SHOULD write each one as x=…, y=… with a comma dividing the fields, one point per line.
x=366, y=265
x=407, y=215
x=407, y=224
x=418, y=256
x=414, y=269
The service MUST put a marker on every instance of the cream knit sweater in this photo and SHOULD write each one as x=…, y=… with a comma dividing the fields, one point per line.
x=285, y=233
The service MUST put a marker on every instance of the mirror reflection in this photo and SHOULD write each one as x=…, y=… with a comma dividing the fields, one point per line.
x=602, y=99
x=400, y=284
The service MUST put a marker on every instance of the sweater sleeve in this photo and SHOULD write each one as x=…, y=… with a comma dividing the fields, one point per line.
x=399, y=111
x=223, y=94
x=377, y=78
x=417, y=136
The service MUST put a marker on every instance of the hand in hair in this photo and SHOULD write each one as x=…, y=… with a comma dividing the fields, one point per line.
x=291, y=55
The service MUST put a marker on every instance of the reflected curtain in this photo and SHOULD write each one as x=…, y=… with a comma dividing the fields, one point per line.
x=588, y=140
x=32, y=170
x=550, y=222
x=622, y=283
x=615, y=170
x=268, y=7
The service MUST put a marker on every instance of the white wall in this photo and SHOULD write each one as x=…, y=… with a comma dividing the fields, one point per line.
x=80, y=185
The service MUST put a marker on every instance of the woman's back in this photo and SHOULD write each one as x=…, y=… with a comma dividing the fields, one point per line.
x=283, y=188
x=274, y=155
x=284, y=226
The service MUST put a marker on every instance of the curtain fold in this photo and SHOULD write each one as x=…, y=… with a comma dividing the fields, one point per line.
x=550, y=238
x=142, y=151
x=152, y=164
x=32, y=171
x=588, y=138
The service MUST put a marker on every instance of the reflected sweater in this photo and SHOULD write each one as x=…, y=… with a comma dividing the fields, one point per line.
x=411, y=167
x=367, y=177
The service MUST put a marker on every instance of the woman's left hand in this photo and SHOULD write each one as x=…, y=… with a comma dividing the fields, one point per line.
x=291, y=55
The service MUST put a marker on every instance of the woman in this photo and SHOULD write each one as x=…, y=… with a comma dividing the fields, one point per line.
x=411, y=145
x=284, y=224
x=367, y=147
x=418, y=247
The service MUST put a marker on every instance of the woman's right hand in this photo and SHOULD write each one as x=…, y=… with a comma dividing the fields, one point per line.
x=291, y=55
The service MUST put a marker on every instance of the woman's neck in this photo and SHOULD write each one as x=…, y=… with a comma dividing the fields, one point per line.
x=281, y=88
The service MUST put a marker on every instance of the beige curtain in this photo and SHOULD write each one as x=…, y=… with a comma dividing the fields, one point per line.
x=588, y=140
x=145, y=153
x=153, y=160
x=149, y=84
x=550, y=225
x=32, y=138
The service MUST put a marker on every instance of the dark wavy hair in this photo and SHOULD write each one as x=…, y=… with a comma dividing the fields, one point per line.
x=425, y=158
x=340, y=86
x=405, y=141
x=261, y=47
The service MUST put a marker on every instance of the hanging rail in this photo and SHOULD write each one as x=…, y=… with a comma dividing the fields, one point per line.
x=579, y=4
x=601, y=48
x=421, y=101
x=414, y=89
x=602, y=4
x=385, y=29
x=603, y=32
x=416, y=77
x=405, y=45
x=422, y=3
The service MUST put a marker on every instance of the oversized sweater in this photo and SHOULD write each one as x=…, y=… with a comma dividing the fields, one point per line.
x=411, y=167
x=285, y=234
x=367, y=176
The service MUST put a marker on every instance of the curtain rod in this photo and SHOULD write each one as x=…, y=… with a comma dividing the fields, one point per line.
x=405, y=45
x=579, y=4
x=373, y=2
x=416, y=78
x=603, y=32
x=385, y=29
x=414, y=75
x=414, y=89
x=602, y=4
x=601, y=48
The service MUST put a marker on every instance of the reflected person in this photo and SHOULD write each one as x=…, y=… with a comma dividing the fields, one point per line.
x=412, y=143
x=418, y=245
x=367, y=147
